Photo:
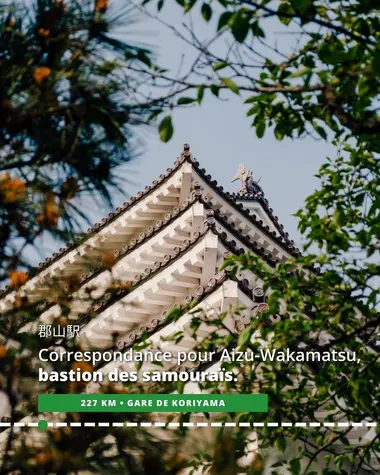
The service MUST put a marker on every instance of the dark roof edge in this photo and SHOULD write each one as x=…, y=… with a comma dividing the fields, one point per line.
x=265, y=204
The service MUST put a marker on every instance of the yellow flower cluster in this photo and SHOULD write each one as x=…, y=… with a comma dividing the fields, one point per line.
x=3, y=351
x=101, y=5
x=11, y=189
x=43, y=32
x=60, y=4
x=51, y=213
x=17, y=279
x=41, y=74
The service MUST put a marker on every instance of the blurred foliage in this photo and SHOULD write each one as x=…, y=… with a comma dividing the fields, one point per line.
x=68, y=103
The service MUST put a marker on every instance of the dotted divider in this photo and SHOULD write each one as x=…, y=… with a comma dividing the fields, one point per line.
x=43, y=425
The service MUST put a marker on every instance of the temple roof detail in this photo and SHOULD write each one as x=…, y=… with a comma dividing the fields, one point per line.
x=250, y=188
x=151, y=200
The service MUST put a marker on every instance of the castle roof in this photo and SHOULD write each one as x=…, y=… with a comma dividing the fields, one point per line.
x=139, y=213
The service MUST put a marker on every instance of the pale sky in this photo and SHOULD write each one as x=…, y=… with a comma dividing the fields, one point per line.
x=220, y=137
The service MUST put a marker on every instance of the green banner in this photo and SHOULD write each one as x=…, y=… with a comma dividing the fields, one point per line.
x=152, y=403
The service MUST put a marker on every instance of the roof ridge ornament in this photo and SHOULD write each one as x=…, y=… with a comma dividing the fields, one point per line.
x=186, y=150
x=186, y=154
x=250, y=187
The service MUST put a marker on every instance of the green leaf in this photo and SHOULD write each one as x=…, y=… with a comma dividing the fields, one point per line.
x=180, y=387
x=160, y=4
x=301, y=5
x=201, y=90
x=215, y=90
x=224, y=19
x=257, y=30
x=185, y=100
x=339, y=461
x=300, y=73
x=239, y=24
x=250, y=100
x=189, y=5
x=295, y=466
x=320, y=130
x=206, y=11
x=253, y=110
x=154, y=114
x=363, y=87
x=143, y=56
x=108, y=66
x=219, y=65
x=277, y=464
x=165, y=129
x=260, y=129
x=280, y=443
x=244, y=336
x=230, y=84
x=284, y=11
x=278, y=134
